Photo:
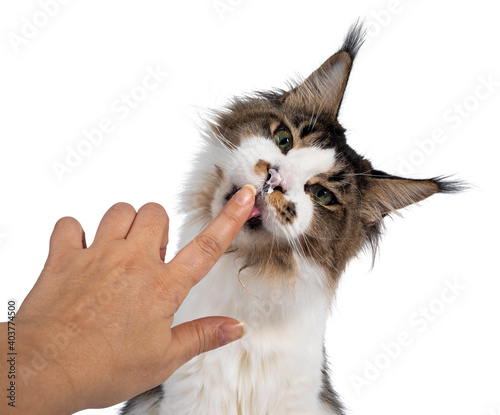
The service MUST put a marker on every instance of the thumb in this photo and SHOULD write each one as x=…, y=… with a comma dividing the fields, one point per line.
x=198, y=336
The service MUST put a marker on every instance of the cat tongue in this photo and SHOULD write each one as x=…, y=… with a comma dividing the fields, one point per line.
x=255, y=211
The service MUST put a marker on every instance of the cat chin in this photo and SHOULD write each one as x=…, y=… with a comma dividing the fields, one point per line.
x=263, y=230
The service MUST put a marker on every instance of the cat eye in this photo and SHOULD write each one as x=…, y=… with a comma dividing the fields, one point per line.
x=322, y=195
x=283, y=139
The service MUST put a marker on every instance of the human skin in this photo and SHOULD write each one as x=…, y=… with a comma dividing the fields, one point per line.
x=95, y=329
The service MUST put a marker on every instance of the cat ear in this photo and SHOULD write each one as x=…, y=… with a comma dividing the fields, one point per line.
x=324, y=89
x=385, y=194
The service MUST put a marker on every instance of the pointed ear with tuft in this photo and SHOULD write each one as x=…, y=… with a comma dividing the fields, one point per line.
x=324, y=89
x=385, y=194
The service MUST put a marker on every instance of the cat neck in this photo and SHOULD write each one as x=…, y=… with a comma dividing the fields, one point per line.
x=261, y=297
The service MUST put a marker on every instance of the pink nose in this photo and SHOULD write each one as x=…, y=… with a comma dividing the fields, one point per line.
x=276, y=181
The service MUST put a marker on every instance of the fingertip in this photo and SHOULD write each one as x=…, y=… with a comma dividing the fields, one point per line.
x=240, y=205
x=237, y=210
x=230, y=332
x=245, y=195
x=194, y=337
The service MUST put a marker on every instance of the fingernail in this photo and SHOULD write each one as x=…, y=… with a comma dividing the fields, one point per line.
x=227, y=333
x=245, y=195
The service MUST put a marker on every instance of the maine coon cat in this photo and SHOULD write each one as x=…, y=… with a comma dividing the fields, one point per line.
x=318, y=204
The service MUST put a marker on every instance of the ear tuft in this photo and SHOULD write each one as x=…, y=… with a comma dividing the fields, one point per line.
x=354, y=39
x=450, y=186
x=385, y=193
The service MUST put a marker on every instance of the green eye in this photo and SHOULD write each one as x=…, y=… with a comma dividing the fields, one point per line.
x=283, y=139
x=322, y=195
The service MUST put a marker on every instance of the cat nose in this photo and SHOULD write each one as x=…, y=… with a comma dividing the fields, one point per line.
x=275, y=181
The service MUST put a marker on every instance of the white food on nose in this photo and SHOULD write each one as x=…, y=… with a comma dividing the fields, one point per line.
x=275, y=181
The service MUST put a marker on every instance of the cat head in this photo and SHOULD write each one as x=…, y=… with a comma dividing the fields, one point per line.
x=316, y=197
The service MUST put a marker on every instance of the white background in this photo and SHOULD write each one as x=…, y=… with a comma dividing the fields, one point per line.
x=424, y=60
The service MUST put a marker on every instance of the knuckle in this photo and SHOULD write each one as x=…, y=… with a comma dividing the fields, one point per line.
x=203, y=338
x=155, y=209
x=129, y=259
x=67, y=222
x=123, y=208
x=203, y=344
x=170, y=292
x=209, y=245
x=156, y=216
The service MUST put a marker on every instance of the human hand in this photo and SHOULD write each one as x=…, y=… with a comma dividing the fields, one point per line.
x=95, y=329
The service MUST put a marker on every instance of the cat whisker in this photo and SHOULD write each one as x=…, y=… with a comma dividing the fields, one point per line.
x=244, y=287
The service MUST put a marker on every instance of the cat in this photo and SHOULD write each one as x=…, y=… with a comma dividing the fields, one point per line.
x=318, y=204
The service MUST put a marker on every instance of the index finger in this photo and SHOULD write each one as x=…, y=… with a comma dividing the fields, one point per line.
x=194, y=261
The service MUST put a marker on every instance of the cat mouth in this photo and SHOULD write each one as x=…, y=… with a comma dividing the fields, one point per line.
x=254, y=220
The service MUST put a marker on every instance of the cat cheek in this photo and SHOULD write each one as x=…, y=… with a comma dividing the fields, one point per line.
x=302, y=217
x=222, y=188
x=305, y=213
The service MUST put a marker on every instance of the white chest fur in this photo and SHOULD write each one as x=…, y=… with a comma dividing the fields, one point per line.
x=276, y=368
